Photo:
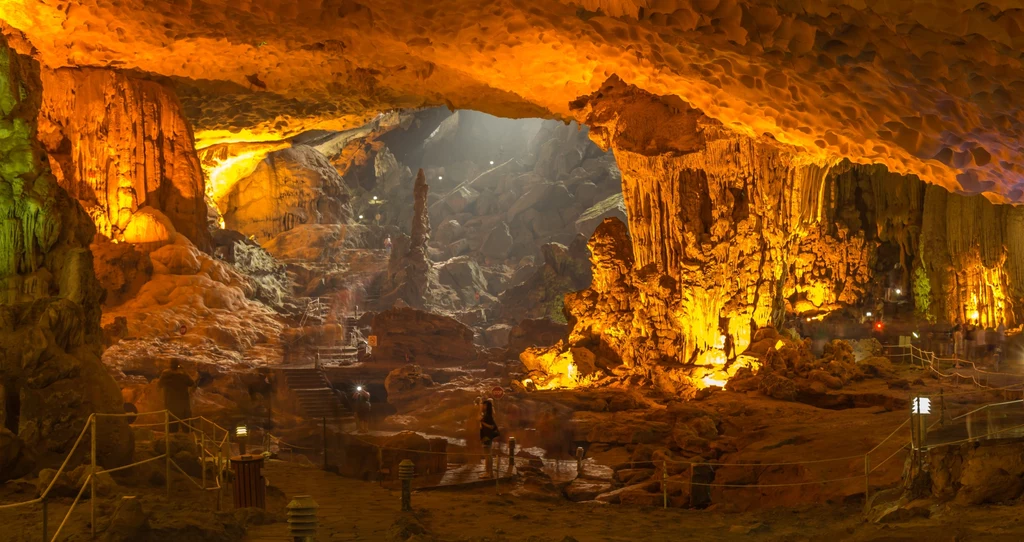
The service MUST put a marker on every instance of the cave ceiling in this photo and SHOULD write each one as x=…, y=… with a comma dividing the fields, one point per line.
x=926, y=87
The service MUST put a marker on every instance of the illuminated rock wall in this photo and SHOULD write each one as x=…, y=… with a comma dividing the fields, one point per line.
x=118, y=143
x=292, y=186
x=51, y=377
x=729, y=233
x=725, y=229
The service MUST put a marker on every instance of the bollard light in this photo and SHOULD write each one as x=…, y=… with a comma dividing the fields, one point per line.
x=241, y=434
x=375, y=198
x=302, y=520
x=921, y=405
x=406, y=471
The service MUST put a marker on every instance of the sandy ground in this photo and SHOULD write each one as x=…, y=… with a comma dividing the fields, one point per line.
x=352, y=510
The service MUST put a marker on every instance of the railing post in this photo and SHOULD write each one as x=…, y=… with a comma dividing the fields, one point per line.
x=167, y=452
x=691, y=485
x=867, y=482
x=942, y=409
x=202, y=453
x=511, y=456
x=92, y=479
x=579, y=461
x=324, y=420
x=46, y=537
x=220, y=484
x=664, y=483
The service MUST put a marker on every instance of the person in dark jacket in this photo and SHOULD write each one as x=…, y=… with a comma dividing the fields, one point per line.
x=488, y=431
x=177, y=385
x=361, y=405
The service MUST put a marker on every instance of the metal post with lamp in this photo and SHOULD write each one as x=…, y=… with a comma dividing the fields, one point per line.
x=241, y=435
x=919, y=408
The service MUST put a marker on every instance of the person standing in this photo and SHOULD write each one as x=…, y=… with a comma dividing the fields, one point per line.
x=387, y=245
x=177, y=385
x=361, y=405
x=488, y=432
x=958, y=341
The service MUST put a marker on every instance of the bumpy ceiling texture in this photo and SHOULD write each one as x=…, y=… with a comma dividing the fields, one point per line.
x=930, y=87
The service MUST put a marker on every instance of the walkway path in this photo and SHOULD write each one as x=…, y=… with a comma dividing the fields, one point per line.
x=351, y=510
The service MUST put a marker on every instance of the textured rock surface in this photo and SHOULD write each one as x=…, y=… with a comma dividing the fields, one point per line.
x=925, y=86
x=50, y=337
x=429, y=340
x=290, y=187
x=118, y=143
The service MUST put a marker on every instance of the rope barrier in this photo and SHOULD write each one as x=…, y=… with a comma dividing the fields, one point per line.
x=73, y=504
x=794, y=484
x=972, y=439
x=884, y=461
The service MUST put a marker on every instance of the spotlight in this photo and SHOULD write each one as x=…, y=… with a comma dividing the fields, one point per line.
x=899, y=292
x=868, y=314
x=359, y=388
x=492, y=162
x=360, y=217
x=375, y=199
x=878, y=326
x=439, y=177
x=808, y=318
x=914, y=333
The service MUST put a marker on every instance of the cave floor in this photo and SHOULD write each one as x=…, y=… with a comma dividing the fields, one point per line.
x=355, y=510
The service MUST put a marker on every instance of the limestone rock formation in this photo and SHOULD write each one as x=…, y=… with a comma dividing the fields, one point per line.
x=429, y=340
x=565, y=270
x=118, y=143
x=924, y=87
x=51, y=377
x=207, y=298
x=410, y=274
x=290, y=187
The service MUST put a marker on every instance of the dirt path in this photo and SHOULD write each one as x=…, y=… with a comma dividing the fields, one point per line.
x=353, y=510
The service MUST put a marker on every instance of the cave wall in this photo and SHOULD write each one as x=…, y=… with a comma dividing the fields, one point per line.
x=50, y=337
x=289, y=187
x=729, y=233
x=119, y=143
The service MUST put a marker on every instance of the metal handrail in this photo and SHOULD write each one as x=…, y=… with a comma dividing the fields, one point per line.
x=90, y=426
x=983, y=407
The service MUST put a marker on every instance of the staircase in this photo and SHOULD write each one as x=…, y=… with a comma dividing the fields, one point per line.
x=338, y=355
x=316, y=313
x=313, y=394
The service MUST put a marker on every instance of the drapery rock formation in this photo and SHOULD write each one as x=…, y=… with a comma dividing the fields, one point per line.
x=290, y=187
x=118, y=144
x=51, y=377
x=730, y=234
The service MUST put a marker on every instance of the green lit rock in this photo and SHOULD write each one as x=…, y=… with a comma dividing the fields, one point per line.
x=51, y=376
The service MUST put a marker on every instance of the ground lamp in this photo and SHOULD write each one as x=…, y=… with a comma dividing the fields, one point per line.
x=919, y=408
x=242, y=435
